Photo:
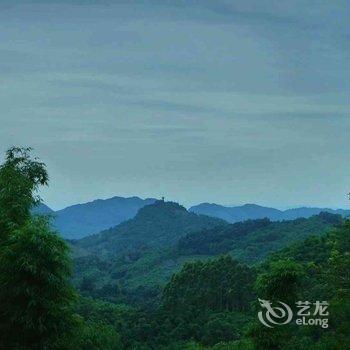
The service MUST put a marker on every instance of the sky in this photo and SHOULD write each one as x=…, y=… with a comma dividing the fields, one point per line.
x=219, y=101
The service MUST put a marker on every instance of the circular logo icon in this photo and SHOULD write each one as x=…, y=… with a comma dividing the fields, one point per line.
x=274, y=315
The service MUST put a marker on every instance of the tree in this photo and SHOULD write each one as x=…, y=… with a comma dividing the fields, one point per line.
x=207, y=301
x=35, y=294
x=20, y=177
x=280, y=282
x=97, y=335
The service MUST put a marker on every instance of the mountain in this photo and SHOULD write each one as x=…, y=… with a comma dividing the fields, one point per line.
x=140, y=255
x=295, y=213
x=248, y=242
x=82, y=220
x=42, y=209
x=253, y=211
x=160, y=224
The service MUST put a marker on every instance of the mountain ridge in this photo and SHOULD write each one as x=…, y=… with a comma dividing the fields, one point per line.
x=234, y=214
x=140, y=263
x=158, y=224
x=85, y=219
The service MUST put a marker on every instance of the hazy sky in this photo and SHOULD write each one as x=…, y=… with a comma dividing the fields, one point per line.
x=218, y=101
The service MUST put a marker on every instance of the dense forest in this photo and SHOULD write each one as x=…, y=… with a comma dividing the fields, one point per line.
x=138, y=273
x=167, y=279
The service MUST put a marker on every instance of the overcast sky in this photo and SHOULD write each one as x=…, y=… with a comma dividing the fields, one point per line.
x=216, y=101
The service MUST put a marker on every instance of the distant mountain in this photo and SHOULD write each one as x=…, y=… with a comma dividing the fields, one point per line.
x=253, y=211
x=306, y=212
x=160, y=224
x=82, y=220
x=42, y=209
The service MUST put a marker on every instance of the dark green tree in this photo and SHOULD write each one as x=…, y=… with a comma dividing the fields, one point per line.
x=20, y=178
x=280, y=282
x=35, y=294
x=35, y=297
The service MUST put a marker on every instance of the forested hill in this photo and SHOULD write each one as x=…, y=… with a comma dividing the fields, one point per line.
x=252, y=240
x=209, y=303
x=253, y=211
x=141, y=255
x=157, y=225
x=217, y=299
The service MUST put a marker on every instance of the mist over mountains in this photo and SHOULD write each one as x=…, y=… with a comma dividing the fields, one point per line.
x=82, y=220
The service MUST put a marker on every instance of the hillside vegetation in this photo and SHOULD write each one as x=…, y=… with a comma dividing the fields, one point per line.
x=210, y=301
x=158, y=225
x=133, y=261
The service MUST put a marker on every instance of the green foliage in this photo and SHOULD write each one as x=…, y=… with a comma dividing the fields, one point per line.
x=222, y=285
x=243, y=344
x=20, y=177
x=156, y=225
x=132, y=262
x=138, y=276
x=252, y=240
x=207, y=304
x=208, y=301
x=280, y=282
x=193, y=304
x=118, y=316
x=35, y=295
x=218, y=241
x=97, y=335
x=322, y=267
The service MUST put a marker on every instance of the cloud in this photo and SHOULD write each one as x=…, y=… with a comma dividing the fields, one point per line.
x=207, y=101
